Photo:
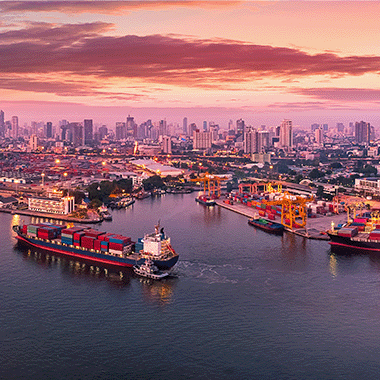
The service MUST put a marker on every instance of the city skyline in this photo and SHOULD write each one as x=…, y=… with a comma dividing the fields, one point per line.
x=215, y=61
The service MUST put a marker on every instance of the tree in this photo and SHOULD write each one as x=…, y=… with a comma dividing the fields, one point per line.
x=315, y=173
x=320, y=191
x=95, y=203
x=153, y=182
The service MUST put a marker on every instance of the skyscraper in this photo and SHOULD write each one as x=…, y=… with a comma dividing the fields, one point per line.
x=202, y=140
x=184, y=126
x=49, y=130
x=14, y=122
x=251, y=141
x=163, y=128
x=166, y=144
x=88, y=132
x=286, y=134
x=362, y=132
x=240, y=126
x=2, y=123
x=131, y=127
x=319, y=136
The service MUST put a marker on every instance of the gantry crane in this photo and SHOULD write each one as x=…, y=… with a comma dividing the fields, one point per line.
x=253, y=187
x=211, y=184
x=293, y=211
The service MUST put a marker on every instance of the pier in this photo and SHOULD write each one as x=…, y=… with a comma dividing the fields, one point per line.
x=315, y=229
x=51, y=216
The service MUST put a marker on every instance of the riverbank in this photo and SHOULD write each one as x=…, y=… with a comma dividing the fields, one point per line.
x=315, y=228
x=51, y=216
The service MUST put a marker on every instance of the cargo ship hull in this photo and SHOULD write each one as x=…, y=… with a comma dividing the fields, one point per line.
x=91, y=255
x=354, y=243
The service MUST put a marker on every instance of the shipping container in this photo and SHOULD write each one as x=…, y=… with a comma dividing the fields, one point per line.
x=97, y=244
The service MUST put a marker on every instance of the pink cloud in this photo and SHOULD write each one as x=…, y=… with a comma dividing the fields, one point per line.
x=105, y=7
x=342, y=94
x=84, y=50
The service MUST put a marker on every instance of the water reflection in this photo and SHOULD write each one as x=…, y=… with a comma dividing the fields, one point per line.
x=158, y=292
x=333, y=265
x=74, y=267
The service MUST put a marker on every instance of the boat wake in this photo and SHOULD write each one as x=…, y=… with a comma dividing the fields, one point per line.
x=210, y=274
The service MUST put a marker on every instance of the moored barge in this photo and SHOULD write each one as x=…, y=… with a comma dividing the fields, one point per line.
x=266, y=225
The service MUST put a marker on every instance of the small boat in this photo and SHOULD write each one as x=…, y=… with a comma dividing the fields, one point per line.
x=266, y=225
x=202, y=199
x=149, y=270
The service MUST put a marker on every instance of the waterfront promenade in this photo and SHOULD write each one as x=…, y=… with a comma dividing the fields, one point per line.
x=92, y=220
x=315, y=228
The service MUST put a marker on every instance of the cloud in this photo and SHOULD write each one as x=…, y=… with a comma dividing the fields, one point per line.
x=105, y=7
x=67, y=88
x=341, y=94
x=84, y=50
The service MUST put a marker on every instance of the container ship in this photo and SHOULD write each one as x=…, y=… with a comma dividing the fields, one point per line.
x=99, y=247
x=360, y=235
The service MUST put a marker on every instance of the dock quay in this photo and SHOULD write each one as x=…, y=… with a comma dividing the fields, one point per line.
x=315, y=228
x=50, y=216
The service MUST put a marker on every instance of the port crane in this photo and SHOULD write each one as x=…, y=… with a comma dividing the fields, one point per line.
x=252, y=187
x=293, y=209
x=211, y=184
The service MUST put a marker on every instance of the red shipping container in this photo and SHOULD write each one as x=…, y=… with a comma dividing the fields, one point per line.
x=262, y=213
x=76, y=244
x=78, y=235
x=97, y=245
x=271, y=216
x=115, y=246
x=87, y=245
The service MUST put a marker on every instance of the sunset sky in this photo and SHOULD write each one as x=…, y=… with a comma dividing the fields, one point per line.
x=207, y=60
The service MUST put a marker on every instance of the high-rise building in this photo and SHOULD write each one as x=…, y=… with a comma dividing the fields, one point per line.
x=230, y=125
x=202, y=140
x=319, y=136
x=240, y=127
x=286, y=134
x=88, y=132
x=131, y=126
x=192, y=129
x=33, y=142
x=204, y=125
x=49, y=130
x=314, y=127
x=76, y=134
x=162, y=128
x=340, y=127
x=2, y=123
x=166, y=144
x=15, y=127
x=250, y=143
x=262, y=140
x=184, y=126
x=103, y=131
x=362, y=132
x=325, y=127
x=121, y=130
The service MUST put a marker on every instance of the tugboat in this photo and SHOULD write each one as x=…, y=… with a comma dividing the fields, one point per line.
x=149, y=270
x=203, y=200
x=103, y=211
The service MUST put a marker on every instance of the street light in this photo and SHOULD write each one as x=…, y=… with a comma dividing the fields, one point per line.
x=42, y=179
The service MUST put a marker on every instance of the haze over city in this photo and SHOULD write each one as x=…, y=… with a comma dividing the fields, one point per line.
x=219, y=60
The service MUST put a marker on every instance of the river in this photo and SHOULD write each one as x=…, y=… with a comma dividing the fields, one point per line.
x=241, y=304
